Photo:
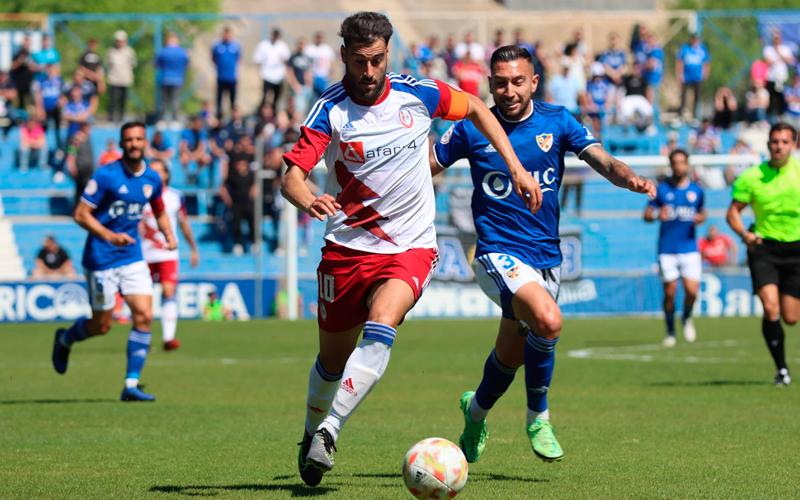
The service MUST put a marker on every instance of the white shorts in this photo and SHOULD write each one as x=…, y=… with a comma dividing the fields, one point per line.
x=130, y=279
x=501, y=275
x=672, y=266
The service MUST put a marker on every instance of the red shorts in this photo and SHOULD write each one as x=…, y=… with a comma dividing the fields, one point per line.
x=345, y=277
x=164, y=272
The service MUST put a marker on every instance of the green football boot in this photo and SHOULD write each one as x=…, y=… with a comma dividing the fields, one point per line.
x=473, y=439
x=543, y=441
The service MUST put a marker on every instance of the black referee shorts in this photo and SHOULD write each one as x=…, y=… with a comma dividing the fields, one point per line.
x=775, y=263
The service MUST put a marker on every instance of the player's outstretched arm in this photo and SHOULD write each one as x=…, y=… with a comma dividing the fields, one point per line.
x=295, y=189
x=525, y=185
x=84, y=217
x=617, y=172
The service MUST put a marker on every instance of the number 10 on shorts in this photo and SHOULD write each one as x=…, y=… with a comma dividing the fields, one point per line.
x=325, y=282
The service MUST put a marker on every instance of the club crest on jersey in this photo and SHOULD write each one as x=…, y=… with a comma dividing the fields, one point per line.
x=691, y=196
x=406, y=118
x=147, y=189
x=544, y=141
x=352, y=151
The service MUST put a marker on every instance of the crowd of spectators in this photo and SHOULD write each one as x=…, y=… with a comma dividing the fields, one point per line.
x=217, y=147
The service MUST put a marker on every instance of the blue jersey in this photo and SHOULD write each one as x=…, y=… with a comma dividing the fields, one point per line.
x=613, y=58
x=655, y=71
x=118, y=197
x=226, y=56
x=694, y=58
x=503, y=222
x=677, y=234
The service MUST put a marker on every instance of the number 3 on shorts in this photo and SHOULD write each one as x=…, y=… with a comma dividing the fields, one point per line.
x=326, y=287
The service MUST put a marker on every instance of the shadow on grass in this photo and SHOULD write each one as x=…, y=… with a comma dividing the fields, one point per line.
x=491, y=476
x=709, y=383
x=54, y=401
x=209, y=490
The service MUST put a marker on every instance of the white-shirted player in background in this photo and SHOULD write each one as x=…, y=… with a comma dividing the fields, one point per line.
x=163, y=262
x=372, y=130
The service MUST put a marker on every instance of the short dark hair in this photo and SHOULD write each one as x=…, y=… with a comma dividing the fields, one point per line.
x=678, y=151
x=508, y=53
x=366, y=27
x=777, y=127
x=128, y=125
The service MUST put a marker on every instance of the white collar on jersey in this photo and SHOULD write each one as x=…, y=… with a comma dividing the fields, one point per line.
x=527, y=115
x=135, y=174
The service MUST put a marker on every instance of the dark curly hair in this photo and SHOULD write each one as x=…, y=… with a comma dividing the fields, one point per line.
x=366, y=27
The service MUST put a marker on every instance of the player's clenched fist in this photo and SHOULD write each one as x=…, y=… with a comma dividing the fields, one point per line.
x=322, y=206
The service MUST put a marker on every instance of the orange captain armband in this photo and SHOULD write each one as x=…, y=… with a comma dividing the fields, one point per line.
x=453, y=102
x=459, y=105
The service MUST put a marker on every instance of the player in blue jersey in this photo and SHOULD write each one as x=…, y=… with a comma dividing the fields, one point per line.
x=679, y=206
x=110, y=209
x=517, y=257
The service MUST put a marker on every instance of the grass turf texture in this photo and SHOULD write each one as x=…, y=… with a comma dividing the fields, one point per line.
x=635, y=420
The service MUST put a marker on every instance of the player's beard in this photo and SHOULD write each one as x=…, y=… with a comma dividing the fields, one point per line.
x=131, y=161
x=370, y=95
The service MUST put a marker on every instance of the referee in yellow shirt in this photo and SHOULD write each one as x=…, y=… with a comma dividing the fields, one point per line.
x=772, y=188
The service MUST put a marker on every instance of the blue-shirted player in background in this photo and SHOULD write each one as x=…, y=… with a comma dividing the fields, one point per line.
x=679, y=206
x=110, y=209
x=517, y=260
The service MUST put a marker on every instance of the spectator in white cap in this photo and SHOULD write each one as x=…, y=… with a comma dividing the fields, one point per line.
x=120, y=60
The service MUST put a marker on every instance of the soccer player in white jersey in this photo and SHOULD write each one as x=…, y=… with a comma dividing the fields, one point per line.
x=372, y=129
x=163, y=263
x=110, y=209
x=518, y=258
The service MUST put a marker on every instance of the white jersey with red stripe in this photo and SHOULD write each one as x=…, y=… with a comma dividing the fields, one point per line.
x=154, y=245
x=377, y=158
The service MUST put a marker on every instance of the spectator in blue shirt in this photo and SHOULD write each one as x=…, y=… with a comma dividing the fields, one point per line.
x=692, y=67
x=44, y=58
x=226, y=54
x=653, y=70
x=171, y=63
x=194, y=149
x=47, y=95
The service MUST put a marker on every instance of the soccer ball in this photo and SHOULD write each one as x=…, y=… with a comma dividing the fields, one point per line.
x=435, y=468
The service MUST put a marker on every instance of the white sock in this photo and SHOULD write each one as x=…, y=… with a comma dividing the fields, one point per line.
x=130, y=383
x=321, y=390
x=533, y=415
x=476, y=413
x=363, y=370
x=169, y=319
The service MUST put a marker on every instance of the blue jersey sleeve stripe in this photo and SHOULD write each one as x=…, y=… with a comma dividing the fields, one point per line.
x=318, y=118
x=324, y=98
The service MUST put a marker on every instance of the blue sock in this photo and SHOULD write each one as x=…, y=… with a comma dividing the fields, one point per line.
x=75, y=333
x=138, y=346
x=669, y=317
x=497, y=377
x=540, y=360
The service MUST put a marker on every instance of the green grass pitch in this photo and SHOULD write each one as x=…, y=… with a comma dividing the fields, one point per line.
x=635, y=420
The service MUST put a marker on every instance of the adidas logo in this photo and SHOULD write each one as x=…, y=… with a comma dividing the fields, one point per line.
x=489, y=149
x=348, y=126
x=347, y=385
x=123, y=189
